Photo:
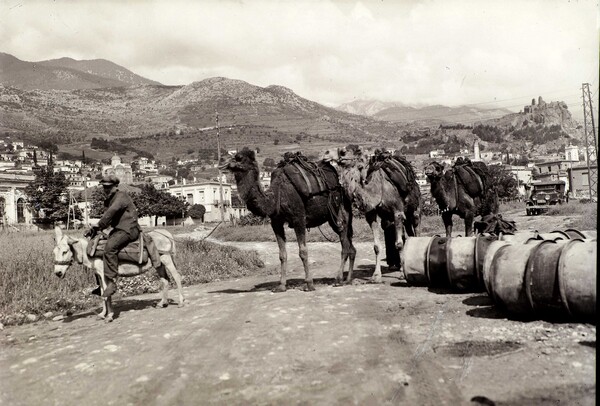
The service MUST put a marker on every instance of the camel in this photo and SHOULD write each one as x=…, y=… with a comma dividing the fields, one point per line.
x=452, y=196
x=69, y=249
x=386, y=206
x=283, y=203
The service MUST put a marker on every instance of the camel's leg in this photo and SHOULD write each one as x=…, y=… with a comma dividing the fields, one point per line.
x=168, y=262
x=447, y=219
x=348, y=254
x=280, y=235
x=303, y=252
x=375, y=223
x=469, y=217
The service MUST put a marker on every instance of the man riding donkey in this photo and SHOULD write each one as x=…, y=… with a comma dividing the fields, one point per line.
x=121, y=215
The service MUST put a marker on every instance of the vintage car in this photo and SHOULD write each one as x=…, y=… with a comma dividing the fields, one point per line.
x=543, y=195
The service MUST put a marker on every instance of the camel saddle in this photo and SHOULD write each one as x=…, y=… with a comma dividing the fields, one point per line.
x=472, y=176
x=309, y=178
x=397, y=170
x=136, y=252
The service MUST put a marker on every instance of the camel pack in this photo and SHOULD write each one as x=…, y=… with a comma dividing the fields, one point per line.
x=472, y=175
x=135, y=252
x=396, y=168
x=309, y=178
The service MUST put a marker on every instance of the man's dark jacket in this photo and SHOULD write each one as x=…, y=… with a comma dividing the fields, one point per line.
x=120, y=213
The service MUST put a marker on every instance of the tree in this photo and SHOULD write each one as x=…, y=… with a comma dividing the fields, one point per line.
x=48, y=196
x=197, y=211
x=269, y=163
x=153, y=202
x=506, y=185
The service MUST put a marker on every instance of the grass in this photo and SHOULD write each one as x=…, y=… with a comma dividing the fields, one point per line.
x=585, y=214
x=28, y=285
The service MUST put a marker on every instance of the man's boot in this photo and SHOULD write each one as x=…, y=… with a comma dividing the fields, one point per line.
x=111, y=288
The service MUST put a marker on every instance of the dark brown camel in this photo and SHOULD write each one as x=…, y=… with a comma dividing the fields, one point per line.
x=283, y=203
x=452, y=196
x=385, y=206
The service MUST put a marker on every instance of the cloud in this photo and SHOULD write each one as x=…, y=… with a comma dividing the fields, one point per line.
x=448, y=52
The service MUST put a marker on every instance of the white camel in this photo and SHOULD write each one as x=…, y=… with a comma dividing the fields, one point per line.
x=69, y=249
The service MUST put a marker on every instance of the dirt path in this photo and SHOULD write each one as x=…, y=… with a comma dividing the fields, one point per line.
x=236, y=343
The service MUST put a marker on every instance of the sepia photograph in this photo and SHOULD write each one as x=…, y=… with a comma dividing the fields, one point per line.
x=310, y=202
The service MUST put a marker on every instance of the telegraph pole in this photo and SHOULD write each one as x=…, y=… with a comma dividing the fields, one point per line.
x=222, y=202
x=591, y=143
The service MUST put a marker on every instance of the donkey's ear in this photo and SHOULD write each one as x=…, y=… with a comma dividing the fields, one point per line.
x=57, y=233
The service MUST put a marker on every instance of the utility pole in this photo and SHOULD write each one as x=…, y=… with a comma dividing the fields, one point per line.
x=591, y=143
x=222, y=202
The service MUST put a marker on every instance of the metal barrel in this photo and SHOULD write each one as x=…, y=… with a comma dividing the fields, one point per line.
x=507, y=276
x=414, y=260
x=488, y=261
x=577, y=269
x=482, y=244
x=541, y=280
x=461, y=264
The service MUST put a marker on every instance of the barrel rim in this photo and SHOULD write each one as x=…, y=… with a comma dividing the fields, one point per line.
x=574, y=230
x=479, y=272
x=563, y=233
x=427, y=255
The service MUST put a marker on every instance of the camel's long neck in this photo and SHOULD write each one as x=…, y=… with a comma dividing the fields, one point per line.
x=252, y=193
x=443, y=190
x=368, y=194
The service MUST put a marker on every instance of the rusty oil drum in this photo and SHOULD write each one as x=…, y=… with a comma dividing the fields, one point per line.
x=482, y=244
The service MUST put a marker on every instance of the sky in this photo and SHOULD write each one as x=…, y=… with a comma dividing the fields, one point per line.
x=450, y=52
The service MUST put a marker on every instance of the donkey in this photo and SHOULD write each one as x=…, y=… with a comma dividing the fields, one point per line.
x=69, y=249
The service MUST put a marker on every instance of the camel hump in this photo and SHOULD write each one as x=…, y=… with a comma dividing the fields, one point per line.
x=310, y=178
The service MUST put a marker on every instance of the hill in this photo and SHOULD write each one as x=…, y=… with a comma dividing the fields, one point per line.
x=424, y=115
x=65, y=74
x=99, y=99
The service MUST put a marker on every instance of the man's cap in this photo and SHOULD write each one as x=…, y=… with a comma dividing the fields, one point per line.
x=109, y=180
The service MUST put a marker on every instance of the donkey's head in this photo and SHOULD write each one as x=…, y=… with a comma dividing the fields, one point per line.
x=63, y=254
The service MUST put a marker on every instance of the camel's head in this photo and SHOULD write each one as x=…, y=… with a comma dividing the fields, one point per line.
x=63, y=255
x=242, y=161
x=352, y=169
x=434, y=171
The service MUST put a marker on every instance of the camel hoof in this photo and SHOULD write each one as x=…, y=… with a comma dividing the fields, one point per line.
x=101, y=316
x=108, y=319
x=181, y=304
x=161, y=305
x=279, y=289
x=309, y=287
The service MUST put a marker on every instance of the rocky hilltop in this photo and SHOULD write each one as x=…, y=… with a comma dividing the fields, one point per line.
x=540, y=112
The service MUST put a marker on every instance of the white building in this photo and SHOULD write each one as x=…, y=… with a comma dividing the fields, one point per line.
x=14, y=209
x=121, y=170
x=207, y=193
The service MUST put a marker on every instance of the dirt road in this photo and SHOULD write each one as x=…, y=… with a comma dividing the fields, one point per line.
x=236, y=343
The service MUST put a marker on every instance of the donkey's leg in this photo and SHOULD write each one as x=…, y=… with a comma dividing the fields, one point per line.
x=375, y=223
x=279, y=231
x=99, y=267
x=167, y=260
x=110, y=313
x=303, y=252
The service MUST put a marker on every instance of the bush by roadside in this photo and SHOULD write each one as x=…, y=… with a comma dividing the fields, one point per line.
x=29, y=289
